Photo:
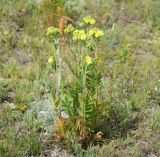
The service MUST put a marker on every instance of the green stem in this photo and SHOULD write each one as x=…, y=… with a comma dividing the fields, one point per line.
x=84, y=69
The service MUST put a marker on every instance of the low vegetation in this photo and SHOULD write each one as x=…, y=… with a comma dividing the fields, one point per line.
x=81, y=76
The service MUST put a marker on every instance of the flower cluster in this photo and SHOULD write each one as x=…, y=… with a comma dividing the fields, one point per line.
x=69, y=29
x=91, y=32
x=82, y=35
x=96, y=32
x=89, y=60
x=79, y=35
x=53, y=31
x=89, y=20
x=50, y=59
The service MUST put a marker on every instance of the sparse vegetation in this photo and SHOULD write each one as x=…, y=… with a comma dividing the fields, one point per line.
x=82, y=76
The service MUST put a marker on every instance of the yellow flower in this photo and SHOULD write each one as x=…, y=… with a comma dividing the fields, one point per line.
x=92, y=21
x=89, y=20
x=79, y=35
x=50, y=59
x=83, y=36
x=50, y=30
x=53, y=31
x=75, y=35
x=69, y=29
x=91, y=32
x=86, y=19
x=89, y=60
x=99, y=33
x=96, y=32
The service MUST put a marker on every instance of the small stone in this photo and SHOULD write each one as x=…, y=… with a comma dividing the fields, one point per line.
x=64, y=115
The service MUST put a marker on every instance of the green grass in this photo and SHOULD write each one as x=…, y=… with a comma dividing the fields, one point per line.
x=19, y=134
x=130, y=66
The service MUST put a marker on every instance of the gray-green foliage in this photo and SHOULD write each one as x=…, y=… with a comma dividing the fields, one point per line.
x=75, y=8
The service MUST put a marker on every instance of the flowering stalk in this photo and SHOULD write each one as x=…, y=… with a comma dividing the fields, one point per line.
x=59, y=76
x=81, y=99
x=59, y=70
x=54, y=34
